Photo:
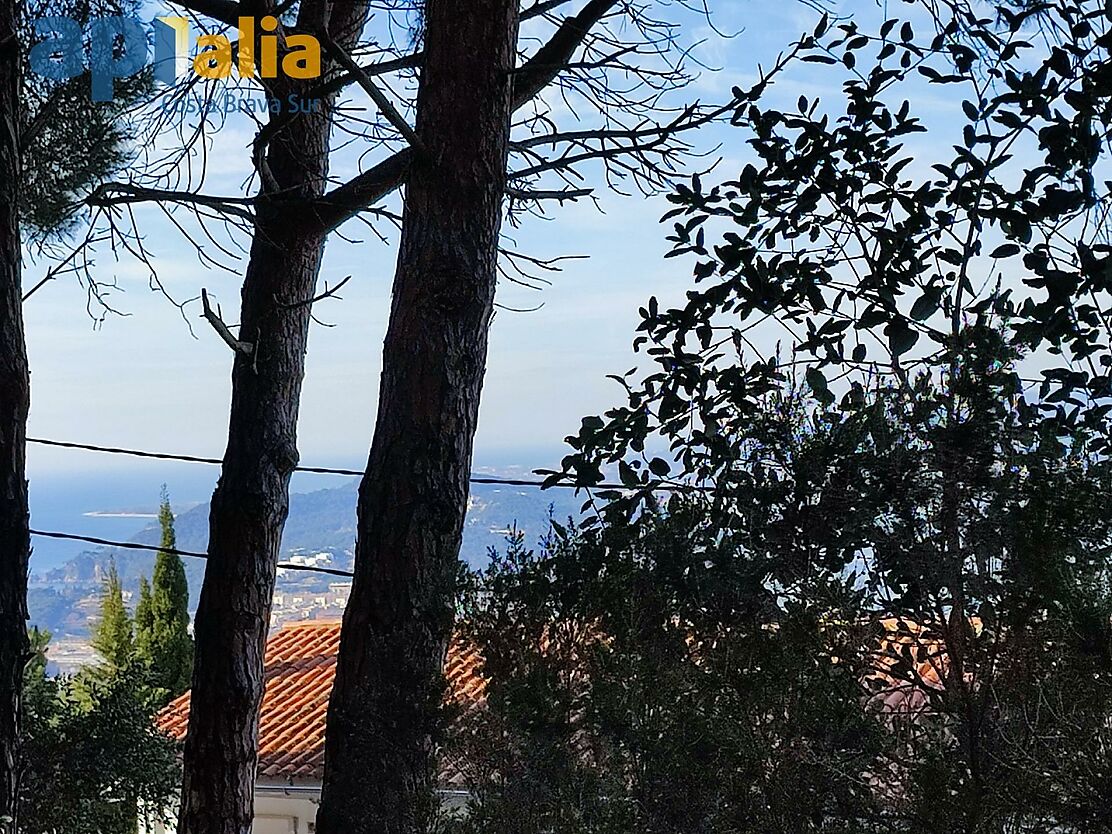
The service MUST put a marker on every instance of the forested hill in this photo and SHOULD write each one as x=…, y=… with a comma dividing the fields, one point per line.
x=325, y=519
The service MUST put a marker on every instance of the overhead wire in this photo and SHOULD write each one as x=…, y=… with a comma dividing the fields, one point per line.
x=317, y=470
x=50, y=534
x=326, y=470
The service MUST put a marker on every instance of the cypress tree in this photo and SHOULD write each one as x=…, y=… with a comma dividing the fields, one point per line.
x=113, y=636
x=144, y=621
x=162, y=615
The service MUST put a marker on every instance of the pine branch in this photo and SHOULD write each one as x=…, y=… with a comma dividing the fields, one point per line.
x=118, y=193
x=560, y=195
x=224, y=11
x=539, y=71
x=385, y=106
x=213, y=318
x=344, y=202
x=363, y=191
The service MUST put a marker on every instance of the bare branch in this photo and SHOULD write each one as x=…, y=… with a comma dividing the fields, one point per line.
x=538, y=72
x=118, y=193
x=67, y=264
x=509, y=309
x=342, y=80
x=559, y=195
x=541, y=7
x=328, y=293
x=225, y=11
x=364, y=80
x=213, y=318
x=342, y=203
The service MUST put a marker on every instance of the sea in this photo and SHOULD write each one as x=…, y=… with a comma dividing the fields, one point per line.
x=114, y=504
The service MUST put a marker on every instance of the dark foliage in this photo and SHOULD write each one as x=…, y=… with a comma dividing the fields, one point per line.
x=164, y=646
x=868, y=265
x=648, y=679
x=69, y=143
x=812, y=651
x=93, y=757
x=920, y=463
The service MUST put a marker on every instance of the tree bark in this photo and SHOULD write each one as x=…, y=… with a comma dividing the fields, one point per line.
x=15, y=397
x=15, y=404
x=382, y=723
x=251, y=501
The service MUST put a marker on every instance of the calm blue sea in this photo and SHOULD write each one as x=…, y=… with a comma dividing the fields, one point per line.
x=62, y=503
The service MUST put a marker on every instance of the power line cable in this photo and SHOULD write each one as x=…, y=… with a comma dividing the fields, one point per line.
x=136, y=453
x=324, y=470
x=49, y=534
x=319, y=470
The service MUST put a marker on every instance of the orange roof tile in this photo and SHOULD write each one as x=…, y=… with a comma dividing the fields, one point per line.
x=300, y=668
x=910, y=666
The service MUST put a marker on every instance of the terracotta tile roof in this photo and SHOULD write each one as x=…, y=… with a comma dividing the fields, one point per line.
x=910, y=667
x=300, y=668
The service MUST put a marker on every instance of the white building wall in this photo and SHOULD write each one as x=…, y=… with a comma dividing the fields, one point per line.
x=285, y=812
x=279, y=809
x=292, y=809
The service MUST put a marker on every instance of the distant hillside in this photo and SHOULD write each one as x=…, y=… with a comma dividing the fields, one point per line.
x=319, y=521
x=325, y=519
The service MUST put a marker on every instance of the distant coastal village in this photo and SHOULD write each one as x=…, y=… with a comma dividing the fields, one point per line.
x=293, y=603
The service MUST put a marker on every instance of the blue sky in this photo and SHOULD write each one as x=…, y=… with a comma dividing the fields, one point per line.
x=145, y=380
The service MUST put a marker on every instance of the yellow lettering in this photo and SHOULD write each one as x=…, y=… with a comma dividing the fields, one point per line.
x=214, y=57
x=303, y=59
x=246, y=47
x=268, y=46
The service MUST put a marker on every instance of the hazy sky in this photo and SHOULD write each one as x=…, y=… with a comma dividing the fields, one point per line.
x=144, y=380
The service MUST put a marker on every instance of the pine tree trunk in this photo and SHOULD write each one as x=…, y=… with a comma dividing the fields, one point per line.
x=380, y=745
x=15, y=388
x=251, y=501
x=246, y=518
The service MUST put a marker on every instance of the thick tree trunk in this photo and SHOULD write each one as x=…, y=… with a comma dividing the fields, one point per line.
x=380, y=747
x=15, y=387
x=251, y=500
x=246, y=518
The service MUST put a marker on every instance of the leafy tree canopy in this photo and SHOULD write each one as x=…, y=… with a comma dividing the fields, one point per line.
x=113, y=636
x=165, y=646
x=92, y=754
x=70, y=144
x=862, y=240
x=880, y=421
